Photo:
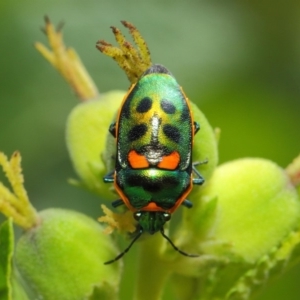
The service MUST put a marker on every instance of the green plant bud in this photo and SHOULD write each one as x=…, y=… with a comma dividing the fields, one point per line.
x=86, y=135
x=205, y=144
x=257, y=206
x=63, y=257
x=246, y=226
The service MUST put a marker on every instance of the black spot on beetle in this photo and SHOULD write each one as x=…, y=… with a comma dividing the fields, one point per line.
x=185, y=114
x=144, y=105
x=167, y=106
x=125, y=112
x=137, y=132
x=152, y=185
x=172, y=133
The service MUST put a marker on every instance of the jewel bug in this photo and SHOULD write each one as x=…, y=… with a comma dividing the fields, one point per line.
x=154, y=135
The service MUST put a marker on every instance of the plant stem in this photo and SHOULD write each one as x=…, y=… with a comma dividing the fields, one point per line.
x=152, y=270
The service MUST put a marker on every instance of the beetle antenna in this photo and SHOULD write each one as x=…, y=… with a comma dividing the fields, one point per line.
x=127, y=249
x=175, y=247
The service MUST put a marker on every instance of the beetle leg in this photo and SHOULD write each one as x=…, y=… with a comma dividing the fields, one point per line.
x=109, y=178
x=200, y=180
x=112, y=129
x=196, y=127
x=187, y=203
x=198, y=163
x=117, y=203
x=175, y=247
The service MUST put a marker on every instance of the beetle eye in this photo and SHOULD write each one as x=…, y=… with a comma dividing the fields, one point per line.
x=137, y=215
x=167, y=216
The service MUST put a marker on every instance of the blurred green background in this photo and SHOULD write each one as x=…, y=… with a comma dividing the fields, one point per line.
x=240, y=62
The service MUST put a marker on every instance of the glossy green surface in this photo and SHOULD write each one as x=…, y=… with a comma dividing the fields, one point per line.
x=157, y=88
x=153, y=185
x=154, y=121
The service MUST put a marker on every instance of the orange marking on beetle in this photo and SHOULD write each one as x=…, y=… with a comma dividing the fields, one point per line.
x=169, y=162
x=152, y=206
x=137, y=161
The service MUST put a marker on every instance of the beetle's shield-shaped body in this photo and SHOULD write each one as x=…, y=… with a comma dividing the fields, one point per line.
x=154, y=133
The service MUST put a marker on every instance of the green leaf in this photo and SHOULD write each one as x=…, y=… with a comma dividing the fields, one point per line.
x=10, y=287
x=18, y=292
x=6, y=253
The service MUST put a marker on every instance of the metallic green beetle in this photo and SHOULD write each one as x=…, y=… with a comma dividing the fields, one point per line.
x=154, y=134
